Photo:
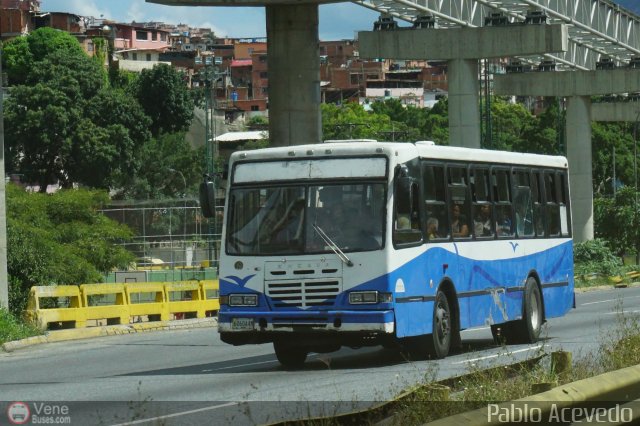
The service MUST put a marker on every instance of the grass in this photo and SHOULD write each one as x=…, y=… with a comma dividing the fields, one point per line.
x=618, y=349
x=13, y=329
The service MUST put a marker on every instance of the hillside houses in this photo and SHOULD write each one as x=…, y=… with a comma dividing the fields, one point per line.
x=236, y=70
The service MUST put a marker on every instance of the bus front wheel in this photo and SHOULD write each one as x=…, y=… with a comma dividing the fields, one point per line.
x=439, y=342
x=290, y=356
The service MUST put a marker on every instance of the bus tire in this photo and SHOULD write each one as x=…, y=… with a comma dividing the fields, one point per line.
x=290, y=356
x=439, y=342
x=527, y=330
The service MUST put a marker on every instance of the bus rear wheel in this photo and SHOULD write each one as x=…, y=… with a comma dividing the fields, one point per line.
x=439, y=343
x=290, y=356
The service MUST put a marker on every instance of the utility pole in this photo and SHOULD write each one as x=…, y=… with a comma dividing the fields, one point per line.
x=4, y=281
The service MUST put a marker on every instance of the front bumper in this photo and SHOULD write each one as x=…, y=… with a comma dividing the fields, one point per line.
x=334, y=321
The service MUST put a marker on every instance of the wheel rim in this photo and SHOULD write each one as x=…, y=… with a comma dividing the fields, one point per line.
x=442, y=322
x=535, y=312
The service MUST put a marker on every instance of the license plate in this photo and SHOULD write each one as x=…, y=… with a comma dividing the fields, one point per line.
x=242, y=323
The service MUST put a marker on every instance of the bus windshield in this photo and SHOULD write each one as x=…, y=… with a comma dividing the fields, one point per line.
x=290, y=219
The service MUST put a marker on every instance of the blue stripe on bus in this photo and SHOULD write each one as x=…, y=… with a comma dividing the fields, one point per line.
x=489, y=291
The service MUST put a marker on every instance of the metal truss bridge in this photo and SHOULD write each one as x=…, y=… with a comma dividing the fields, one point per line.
x=601, y=33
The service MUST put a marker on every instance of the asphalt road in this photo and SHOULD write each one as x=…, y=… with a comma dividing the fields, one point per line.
x=191, y=377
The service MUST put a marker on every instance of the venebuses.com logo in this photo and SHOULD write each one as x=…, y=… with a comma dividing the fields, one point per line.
x=18, y=413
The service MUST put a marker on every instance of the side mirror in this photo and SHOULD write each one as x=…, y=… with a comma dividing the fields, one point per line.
x=208, y=198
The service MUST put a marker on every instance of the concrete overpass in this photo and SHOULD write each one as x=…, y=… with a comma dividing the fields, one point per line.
x=578, y=87
x=461, y=48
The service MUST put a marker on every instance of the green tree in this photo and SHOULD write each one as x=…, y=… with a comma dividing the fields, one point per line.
x=156, y=179
x=164, y=97
x=59, y=239
x=617, y=220
x=17, y=59
x=605, y=138
x=75, y=74
x=436, y=124
x=509, y=123
x=67, y=127
x=21, y=55
x=351, y=121
x=40, y=122
x=45, y=40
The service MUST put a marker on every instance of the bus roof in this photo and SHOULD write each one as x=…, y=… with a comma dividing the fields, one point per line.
x=404, y=151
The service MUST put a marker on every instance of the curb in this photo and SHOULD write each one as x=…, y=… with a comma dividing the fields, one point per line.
x=614, y=386
x=605, y=287
x=108, y=330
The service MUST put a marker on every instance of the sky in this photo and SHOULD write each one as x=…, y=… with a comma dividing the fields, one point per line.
x=337, y=21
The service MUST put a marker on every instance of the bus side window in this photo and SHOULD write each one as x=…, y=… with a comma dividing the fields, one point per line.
x=459, y=202
x=563, y=205
x=552, y=207
x=435, y=202
x=502, y=203
x=522, y=204
x=407, y=212
x=482, y=226
x=538, y=204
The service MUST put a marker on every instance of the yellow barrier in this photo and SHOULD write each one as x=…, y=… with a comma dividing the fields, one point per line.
x=105, y=301
x=184, y=299
x=71, y=306
x=147, y=299
x=210, y=292
x=63, y=306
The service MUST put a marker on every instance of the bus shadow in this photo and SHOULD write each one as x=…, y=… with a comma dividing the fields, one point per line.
x=344, y=359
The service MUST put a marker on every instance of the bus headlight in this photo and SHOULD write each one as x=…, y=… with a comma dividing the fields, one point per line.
x=242, y=299
x=368, y=297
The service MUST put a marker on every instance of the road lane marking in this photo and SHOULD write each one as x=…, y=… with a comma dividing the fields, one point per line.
x=182, y=413
x=497, y=355
x=239, y=365
x=622, y=312
x=311, y=354
x=610, y=300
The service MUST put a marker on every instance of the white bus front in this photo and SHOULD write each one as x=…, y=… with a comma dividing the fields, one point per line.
x=303, y=263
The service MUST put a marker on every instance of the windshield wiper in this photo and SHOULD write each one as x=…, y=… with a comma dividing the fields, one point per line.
x=332, y=245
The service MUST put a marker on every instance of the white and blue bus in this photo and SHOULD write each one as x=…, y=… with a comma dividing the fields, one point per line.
x=365, y=243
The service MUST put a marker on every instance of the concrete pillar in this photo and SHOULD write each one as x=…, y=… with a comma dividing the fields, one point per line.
x=464, y=110
x=294, y=74
x=578, y=132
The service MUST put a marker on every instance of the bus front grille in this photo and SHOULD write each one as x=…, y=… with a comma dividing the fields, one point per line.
x=303, y=293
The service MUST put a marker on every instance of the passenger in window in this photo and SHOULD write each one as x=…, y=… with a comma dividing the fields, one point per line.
x=482, y=223
x=403, y=222
x=459, y=227
x=503, y=225
x=432, y=228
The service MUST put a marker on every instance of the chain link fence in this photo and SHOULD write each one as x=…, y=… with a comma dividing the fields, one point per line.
x=171, y=237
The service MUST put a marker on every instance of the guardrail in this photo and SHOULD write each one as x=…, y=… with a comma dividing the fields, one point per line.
x=68, y=306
